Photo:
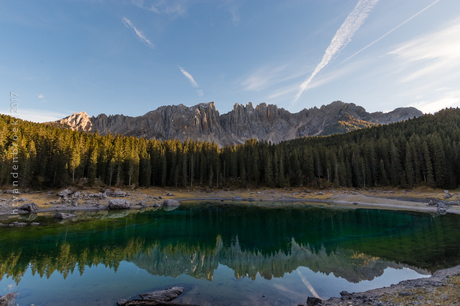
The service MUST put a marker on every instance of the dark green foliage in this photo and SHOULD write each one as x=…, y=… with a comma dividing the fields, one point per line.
x=425, y=150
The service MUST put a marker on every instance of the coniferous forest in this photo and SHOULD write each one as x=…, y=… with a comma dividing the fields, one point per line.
x=420, y=151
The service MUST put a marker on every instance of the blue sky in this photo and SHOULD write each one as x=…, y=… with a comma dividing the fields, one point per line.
x=132, y=56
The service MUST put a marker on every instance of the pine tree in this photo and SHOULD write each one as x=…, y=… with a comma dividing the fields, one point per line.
x=409, y=170
x=429, y=168
x=92, y=167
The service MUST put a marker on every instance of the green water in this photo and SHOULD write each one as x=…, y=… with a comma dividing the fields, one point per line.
x=222, y=254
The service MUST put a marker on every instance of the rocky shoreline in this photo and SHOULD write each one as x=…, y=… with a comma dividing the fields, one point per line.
x=71, y=199
x=442, y=288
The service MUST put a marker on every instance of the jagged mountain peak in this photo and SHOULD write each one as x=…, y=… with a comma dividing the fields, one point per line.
x=203, y=122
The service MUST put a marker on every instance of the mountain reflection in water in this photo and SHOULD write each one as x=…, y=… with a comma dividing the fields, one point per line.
x=348, y=264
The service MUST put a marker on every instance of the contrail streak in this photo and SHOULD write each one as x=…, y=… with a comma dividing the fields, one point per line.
x=136, y=32
x=342, y=37
x=395, y=28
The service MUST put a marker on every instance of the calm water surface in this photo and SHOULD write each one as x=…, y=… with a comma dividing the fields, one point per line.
x=223, y=254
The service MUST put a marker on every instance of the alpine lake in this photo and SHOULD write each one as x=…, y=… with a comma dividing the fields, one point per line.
x=222, y=253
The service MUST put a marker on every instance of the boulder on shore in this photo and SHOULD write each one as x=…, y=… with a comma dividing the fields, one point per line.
x=116, y=193
x=119, y=204
x=65, y=192
x=29, y=207
x=169, y=203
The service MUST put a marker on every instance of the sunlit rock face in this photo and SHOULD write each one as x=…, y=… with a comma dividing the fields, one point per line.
x=203, y=122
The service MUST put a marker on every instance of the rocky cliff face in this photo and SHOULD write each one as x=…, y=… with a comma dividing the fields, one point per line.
x=203, y=122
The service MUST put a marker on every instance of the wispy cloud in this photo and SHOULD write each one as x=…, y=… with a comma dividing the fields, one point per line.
x=235, y=15
x=41, y=97
x=189, y=77
x=319, y=81
x=342, y=37
x=139, y=35
x=266, y=76
x=450, y=99
x=35, y=115
x=387, y=33
x=178, y=7
x=192, y=81
x=436, y=54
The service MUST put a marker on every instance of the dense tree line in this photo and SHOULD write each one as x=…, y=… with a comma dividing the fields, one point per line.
x=424, y=150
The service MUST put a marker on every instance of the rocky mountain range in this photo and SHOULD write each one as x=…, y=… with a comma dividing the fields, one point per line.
x=203, y=122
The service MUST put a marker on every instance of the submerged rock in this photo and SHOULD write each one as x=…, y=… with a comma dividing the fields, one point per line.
x=119, y=204
x=116, y=214
x=18, y=224
x=163, y=295
x=159, y=298
x=170, y=203
x=63, y=216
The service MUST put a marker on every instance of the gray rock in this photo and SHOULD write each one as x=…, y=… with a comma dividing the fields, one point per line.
x=163, y=295
x=320, y=193
x=169, y=194
x=122, y=302
x=119, y=204
x=18, y=224
x=313, y=301
x=446, y=191
x=116, y=193
x=34, y=223
x=74, y=203
x=170, y=203
x=142, y=203
x=441, y=210
x=76, y=194
x=29, y=207
x=65, y=192
x=23, y=200
x=447, y=196
x=12, y=192
x=63, y=216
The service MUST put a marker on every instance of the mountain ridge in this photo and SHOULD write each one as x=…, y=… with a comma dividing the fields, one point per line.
x=203, y=122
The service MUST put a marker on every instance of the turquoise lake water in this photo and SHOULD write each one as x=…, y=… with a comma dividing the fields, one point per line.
x=222, y=253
